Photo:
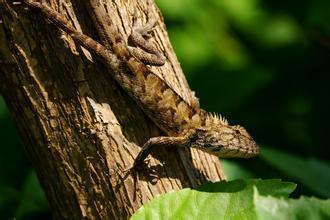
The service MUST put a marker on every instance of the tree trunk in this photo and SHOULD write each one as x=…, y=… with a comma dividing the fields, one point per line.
x=79, y=128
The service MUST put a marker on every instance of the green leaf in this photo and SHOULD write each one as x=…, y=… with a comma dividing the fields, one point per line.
x=268, y=207
x=274, y=187
x=223, y=200
x=312, y=173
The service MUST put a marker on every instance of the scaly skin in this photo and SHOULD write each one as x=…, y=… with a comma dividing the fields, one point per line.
x=185, y=123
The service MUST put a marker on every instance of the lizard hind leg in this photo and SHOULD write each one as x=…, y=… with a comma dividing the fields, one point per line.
x=145, y=29
x=140, y=45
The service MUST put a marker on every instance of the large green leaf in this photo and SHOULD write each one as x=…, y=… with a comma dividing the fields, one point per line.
x=239, y=199
x=268, y=207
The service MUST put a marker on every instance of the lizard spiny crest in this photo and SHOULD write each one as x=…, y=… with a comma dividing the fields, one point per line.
x=217, y=119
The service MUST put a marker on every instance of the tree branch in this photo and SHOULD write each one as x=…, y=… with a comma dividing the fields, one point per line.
x=79, y=128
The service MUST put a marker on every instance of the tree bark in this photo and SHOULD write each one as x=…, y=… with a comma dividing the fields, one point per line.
x=79, y=128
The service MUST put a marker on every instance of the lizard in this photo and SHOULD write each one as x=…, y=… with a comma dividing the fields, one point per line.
x=186, y=124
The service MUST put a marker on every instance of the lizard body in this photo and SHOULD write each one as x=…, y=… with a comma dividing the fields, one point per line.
x=185, y=123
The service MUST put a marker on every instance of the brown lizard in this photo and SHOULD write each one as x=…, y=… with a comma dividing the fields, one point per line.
x=185, y=123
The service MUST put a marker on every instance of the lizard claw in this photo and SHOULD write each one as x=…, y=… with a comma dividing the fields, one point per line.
x=133, y=171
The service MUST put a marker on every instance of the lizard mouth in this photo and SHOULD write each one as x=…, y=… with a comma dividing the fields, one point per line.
x=234, y=151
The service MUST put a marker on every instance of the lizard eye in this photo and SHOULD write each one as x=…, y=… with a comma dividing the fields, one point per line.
x=237, y=131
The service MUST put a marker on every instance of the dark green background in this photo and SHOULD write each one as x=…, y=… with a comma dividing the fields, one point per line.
x=262, y=64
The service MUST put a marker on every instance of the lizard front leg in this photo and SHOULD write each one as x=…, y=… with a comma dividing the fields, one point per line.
x=157, y=142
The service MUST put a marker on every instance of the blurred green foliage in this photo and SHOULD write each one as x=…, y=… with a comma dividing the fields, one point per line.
x=262, y=64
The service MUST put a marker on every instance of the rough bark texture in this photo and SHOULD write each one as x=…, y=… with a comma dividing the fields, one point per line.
x=80, y=129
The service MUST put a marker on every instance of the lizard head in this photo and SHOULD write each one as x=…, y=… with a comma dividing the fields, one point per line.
x=219, y=138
